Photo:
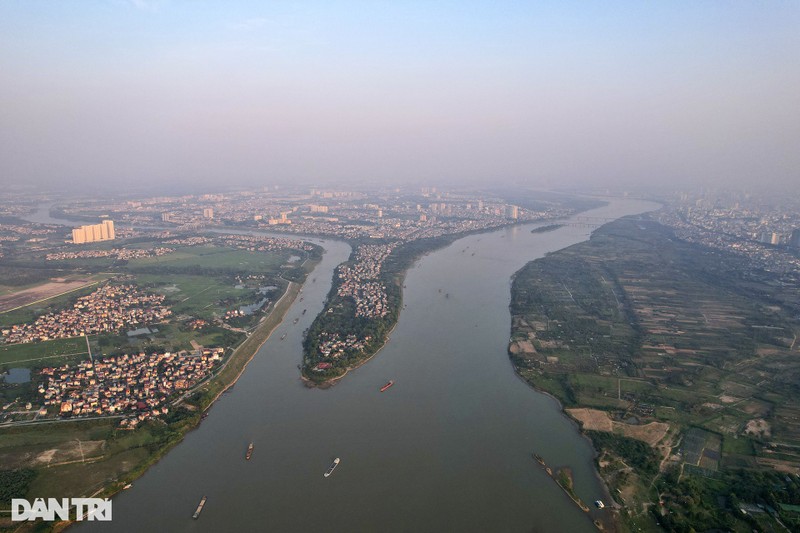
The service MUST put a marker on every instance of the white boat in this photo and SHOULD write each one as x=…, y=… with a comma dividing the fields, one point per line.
x=599, y=504
x=333, y=466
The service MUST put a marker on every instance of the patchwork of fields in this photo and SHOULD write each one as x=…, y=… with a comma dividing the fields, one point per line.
x=646, y=328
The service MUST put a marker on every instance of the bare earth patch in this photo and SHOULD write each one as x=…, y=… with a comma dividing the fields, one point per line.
x=40, y=292
x=70, y=451
x=592, y=419
x=46, y=457
x=650, y=433
x=525, y=347
x=596, y=420
x=758, y=427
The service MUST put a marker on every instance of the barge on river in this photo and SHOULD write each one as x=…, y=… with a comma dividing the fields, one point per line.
x=199, y=509
x=331, y=468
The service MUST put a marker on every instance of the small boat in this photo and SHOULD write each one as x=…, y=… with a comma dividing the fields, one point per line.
x=301, y=298
x=599, y=504
x=249, y=453
x=283, y=336
x=539, y=459
x=296, y=320
x=126, y=487
x=331, y=468
x=304, y=311
x=199, y=509
x=389, y=384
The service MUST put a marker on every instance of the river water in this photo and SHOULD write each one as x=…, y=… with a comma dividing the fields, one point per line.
x=42, y=216
x=447, y=448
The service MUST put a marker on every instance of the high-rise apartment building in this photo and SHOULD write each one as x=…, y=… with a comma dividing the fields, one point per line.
x=94, y=233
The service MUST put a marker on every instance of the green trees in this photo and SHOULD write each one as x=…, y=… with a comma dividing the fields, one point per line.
x=634, y=452
x=14, y=484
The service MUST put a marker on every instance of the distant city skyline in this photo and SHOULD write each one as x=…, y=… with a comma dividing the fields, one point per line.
x=177, y=95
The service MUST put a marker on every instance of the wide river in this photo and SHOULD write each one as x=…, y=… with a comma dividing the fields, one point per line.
x=447, y=448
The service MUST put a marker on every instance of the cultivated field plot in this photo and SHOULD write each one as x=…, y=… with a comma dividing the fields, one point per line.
x=49, y=353
x=786, y=423
x=701, y=448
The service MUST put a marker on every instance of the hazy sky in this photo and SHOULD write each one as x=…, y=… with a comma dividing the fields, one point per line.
x=558, y=93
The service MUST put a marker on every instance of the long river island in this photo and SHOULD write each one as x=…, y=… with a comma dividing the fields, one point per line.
x=447, y=448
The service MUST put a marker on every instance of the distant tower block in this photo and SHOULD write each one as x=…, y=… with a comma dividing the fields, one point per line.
x=794, y=240
x=208, y=213
x=513, y=212
x=94, y=233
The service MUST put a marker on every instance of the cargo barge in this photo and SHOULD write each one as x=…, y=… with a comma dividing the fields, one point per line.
x=331, y=468
x=199, y=509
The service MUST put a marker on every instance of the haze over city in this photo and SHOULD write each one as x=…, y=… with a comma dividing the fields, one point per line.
x=114, y=94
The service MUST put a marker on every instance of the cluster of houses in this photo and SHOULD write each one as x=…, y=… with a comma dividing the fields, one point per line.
x=332, y=345
x=110, y=308
x=117, y=253
x=233, y=313
x=138, y=384
x=360, y=281
x=261, y=243
x=196, y=323
x=190, y=241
